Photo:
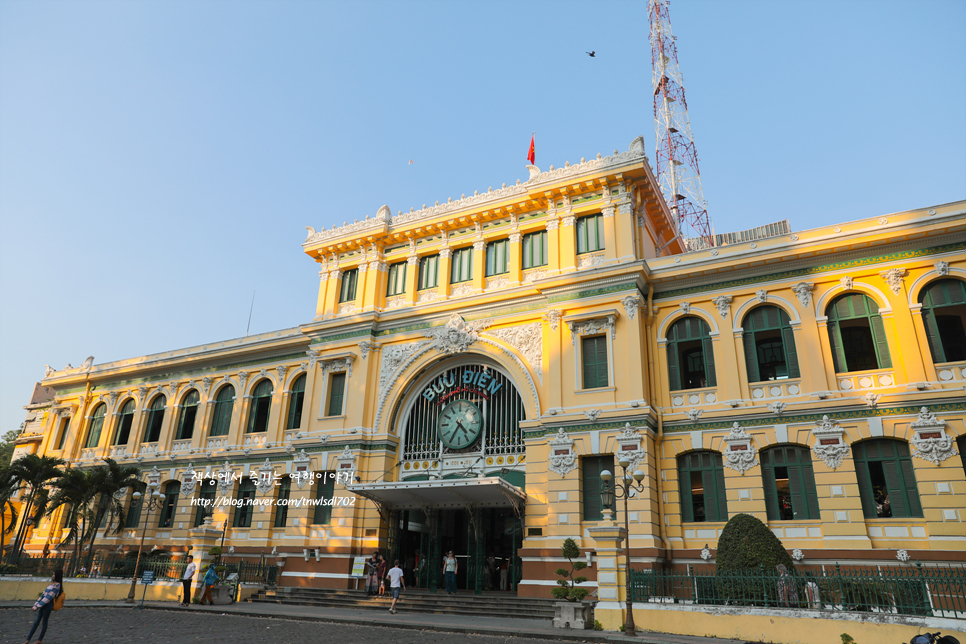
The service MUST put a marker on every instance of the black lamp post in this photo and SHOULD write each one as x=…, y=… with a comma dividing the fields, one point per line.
x=608, y=491
x=155, y=500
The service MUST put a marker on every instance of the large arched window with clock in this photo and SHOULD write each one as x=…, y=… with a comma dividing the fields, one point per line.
x=472, y=408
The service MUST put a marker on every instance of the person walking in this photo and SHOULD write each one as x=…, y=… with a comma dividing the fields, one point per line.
x=381, y=570
x=396, y=583
x=45, y=605
x=503, y=576
x=372, y=581
x=211, y=578
x=189, y=573
x=450, y=568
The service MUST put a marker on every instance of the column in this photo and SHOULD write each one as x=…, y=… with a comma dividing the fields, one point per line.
x=375, y=293
x=332, y=293
x=479, y=264
x=728, y=386
x=515, y=263
x=553, y=246
x=412, y=279
x=320, y=303
x=445, y=261
x=611, y=583
x=567, y=244
x=610, y=234
x=808, y=342
x=904, y=337
x=626, y=239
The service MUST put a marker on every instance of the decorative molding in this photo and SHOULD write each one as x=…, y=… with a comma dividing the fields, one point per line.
x=592, y=327
x=479, y=245
x=427, y=295
x=366, y=346
x=629, y=446
x=846, y=282
x=694, y=414
x=533, y=275
x=528, y=340
x=740, y=454
x=347, y=309
x=497, y=282
x=592, y=414
x=685, y=307
x=777, y=408
x=723, y=304
x=829, y=445
x=225, y=478
x=282, y=370
x=313, y=357
x=942, y=268
x=893, y=277
x=902, y=555
x=589, y=261
x=266, y=477
x=445, y=252
x=632, y=303
x=553, y=223
x=569, y=220
x=515, y=238
x=563, y=460
x=189, y=480
x=466, y=288
x=242, y=378
x=395, y=302
x=301, y=469
x=457, y=335
x=552, y=316
x=803, y=290
x=761, y=295
x=347, y=461
x=930, y=439
x=871, y=399
x=394, y=359
x=797, y=553
x=337, y=364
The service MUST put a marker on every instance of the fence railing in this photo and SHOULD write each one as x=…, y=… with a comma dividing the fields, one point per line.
x=938, y=591
x=104, y=566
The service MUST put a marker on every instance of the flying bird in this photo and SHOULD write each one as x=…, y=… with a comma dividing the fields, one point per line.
x=410, y=162
x=592, y=54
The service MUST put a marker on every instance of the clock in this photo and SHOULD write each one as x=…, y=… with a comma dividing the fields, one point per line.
x=460, y=424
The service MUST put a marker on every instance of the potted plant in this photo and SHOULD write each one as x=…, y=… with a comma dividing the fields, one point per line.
x=572, y=611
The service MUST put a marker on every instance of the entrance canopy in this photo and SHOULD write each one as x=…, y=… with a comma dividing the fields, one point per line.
x=489, y=492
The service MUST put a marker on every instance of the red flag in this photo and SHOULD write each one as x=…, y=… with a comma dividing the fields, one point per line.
x=531, y=155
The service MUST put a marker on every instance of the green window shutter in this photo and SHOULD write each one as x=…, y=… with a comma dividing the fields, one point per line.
x=838, y=351
x=865, y=486
x=708, y=480
x=897, y=489
x=428, y=272
x=797, y=488
x=602, y=371
x=791, y=354
x=336, y=394
x=594, y=357
x=296, y=401
x=720, y=490
x=599, y=223
x=769, y=485
x=684, y=483
x=881, y=345
x=708, y=348
x=581, y=235
x=913, y=503
x=325, y=489
x=808, y=482
x=751, y=355
x=590, y=487
x=673, y=371
x=281, y=509
x=526, y=251
x=348, y=289
x=932, y=334
x=490, y=259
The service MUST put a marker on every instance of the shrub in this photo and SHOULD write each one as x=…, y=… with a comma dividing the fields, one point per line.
x=746, y=544
x=598, y=626
x=567, y=586
x=215, y=552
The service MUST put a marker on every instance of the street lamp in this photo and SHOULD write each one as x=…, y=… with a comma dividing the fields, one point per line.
x=608, y=491
x=155, y=500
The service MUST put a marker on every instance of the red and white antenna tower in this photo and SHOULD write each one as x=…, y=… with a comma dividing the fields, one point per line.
x=677, y=158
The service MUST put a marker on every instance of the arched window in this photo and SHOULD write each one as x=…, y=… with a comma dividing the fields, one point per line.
x=887, y=484
x=701, y=477
x=124, y=421
x=189, y=410
x=281, y=504
x=944, y=316
x=97, y=423
x=856, y=334
x=261, y=405
x=244, y=508
x=221, y=418
x=170, y=507
x=152, y=431
x=690, y=358
x=769, y=345
x=789, y=484
x=295, y=403
x=206, y=500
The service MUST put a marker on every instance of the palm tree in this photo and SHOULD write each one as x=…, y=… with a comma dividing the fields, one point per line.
x=6, y=504
x=107, y=481
x=74, y=490
x=33, y=472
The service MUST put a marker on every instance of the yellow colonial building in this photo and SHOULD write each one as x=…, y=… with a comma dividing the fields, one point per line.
x=474, y=366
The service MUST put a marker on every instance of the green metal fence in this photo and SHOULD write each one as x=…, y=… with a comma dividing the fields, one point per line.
x=938, y=591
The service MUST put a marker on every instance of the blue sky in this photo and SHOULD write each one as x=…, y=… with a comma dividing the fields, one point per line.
x=159, y=160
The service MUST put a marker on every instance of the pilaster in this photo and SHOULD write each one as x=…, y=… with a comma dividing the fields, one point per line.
x=479, y=264
x=611, y=581
x=515, y=263
x=445, y=263
x=610, y=234
x=412, y=279
x=567, y=243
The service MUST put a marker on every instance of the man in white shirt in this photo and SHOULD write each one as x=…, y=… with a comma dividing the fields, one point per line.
x=396, y=582
x=189, y=573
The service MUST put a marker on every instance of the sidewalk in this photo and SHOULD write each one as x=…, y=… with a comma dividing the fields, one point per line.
x=532, y=628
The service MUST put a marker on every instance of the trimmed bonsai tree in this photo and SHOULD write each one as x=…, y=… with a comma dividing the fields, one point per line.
x=746, y=545
x=567, y=587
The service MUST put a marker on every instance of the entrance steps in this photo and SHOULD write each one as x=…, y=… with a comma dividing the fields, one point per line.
x=494, y=603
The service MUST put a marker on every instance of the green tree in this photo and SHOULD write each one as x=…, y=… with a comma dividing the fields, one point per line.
x=6, y=506
x=7, y=446
x=746, y=545
x=74, y=490
x=35, y=474
x=108, y=480
x=567, y=586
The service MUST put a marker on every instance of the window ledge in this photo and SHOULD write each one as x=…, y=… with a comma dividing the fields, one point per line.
x=342, y=417
x=595, y=390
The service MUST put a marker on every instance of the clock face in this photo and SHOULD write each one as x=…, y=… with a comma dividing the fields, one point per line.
x=460, y=423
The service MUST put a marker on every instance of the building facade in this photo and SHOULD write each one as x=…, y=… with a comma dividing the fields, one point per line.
x=474, y=366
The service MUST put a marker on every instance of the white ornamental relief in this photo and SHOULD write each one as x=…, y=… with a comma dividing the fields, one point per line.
x=846, y=282
x=563, y=460
x=803, y=291
x=366, y=346
x=632, y=303
x=427, y=295
x=497, y=282
x=347, y=308
x=588, y=261
x=829, y=445
x=282, y=370
x=393, y=359
x=694, y=414
x=532, y=276
x=685, y=307
x=593, y=327
x=337, y=365
x=553, y=316
x=205, y=385
x=225, y=478
x=528, y=340
x=461, y=290
x=301, y=469
x=930, y=439
x=457, y=335
x=266, y=478
x=592, y=414
x=629, y=446
x=395, y=302
x=189, y=479
x=761, y=295
x=777, y=408
x=740, y=454
x=893, y=277
x=942, y=268
x=723, y=304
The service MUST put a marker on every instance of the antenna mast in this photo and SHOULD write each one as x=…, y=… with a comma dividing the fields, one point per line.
x=677, y=158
